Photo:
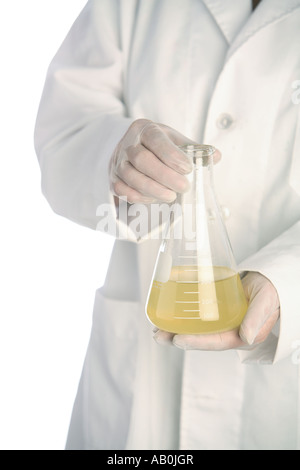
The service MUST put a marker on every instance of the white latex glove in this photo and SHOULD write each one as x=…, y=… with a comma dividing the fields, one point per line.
x=147, y=165
x=262, y=315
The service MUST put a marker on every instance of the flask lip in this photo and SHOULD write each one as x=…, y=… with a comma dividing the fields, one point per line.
x=198, y=150
x=201, y=154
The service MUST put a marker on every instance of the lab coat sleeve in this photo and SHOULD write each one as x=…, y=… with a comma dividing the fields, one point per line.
x=82, y=116
x=279, y=261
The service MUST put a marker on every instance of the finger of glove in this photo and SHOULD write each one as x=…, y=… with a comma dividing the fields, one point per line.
x=163, y=337
x=148, y=164
x=159, y=143
x=263, y=304
x=217, y=342
x=180, y=140
x=266, y=328
x=143, y=184
x=123, y=191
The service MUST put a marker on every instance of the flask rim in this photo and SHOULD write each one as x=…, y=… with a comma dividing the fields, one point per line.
x=200, y=154
x=198, y=150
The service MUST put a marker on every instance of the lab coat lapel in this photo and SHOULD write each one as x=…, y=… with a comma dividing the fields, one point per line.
x=267, y=12
x=229, y=15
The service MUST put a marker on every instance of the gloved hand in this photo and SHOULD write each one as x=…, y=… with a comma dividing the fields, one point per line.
x=147, y=166
x=262, y=315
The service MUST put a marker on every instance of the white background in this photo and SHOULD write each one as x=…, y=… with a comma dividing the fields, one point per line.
x=50, y=267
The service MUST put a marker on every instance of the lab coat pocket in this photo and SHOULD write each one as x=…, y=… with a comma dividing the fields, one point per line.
x=294, y=179
x=116, y=318
x=109, y=372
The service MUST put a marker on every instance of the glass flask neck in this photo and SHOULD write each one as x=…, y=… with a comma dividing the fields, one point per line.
x=201, y=177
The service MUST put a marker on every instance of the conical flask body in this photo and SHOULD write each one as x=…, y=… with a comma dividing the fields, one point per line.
x=196, y=288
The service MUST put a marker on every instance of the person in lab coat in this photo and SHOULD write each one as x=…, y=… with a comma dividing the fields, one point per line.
x=132, y=80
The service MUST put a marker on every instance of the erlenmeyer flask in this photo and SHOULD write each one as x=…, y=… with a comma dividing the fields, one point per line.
x=196, y=288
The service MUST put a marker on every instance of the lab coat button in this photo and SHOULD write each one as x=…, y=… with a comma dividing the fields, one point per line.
x=225, y=212
x=224, y=121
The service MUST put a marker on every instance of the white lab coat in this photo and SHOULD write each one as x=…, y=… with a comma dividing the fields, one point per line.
x=221, y=76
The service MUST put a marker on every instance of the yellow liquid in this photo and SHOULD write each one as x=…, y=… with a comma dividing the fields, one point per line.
x=203, y=300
